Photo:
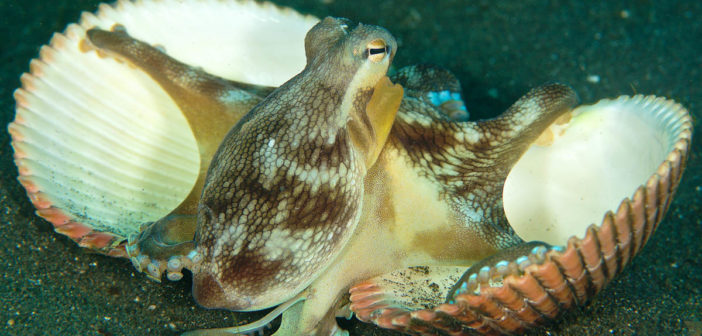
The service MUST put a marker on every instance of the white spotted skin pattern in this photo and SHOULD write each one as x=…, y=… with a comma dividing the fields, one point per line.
x=283, y=193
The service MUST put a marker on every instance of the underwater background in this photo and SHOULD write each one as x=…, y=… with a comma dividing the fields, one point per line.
x=498, y=50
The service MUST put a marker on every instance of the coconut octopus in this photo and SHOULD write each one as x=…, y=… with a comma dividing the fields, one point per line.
x=334, y=192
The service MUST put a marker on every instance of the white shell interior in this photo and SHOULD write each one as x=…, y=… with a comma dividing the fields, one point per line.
x=604, y=153
x=243, y=40
x=102, y=141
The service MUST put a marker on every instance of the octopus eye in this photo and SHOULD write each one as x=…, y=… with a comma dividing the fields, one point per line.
x=376, y=50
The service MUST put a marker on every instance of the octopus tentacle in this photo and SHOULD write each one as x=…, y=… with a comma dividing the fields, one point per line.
x=502, y=142
x=445, y=152
x=289, y=309
x=531, y=283
x=470, y=161
x=165, y=245
x=211, y=106
x=205, y=99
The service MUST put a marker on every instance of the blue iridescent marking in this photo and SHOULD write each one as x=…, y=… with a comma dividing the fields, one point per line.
x=438, y=98
x=538, y=250
x=522, y=259
x=462, y=289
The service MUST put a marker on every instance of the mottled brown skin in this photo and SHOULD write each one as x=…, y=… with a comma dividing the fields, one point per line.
x=204, y=101
x=421, y=207
x=283, y=193
x=306, y=195
x=470, y=161
x=527, y=284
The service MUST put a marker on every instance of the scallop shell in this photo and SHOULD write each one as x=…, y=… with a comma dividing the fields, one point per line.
x=583, y=168
x=101, y=149
x=98, y=169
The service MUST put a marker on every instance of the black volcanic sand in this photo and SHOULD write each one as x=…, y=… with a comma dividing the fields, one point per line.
x=50, y=286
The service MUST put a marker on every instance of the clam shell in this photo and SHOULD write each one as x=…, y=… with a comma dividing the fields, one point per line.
x=102, y=149
x=574, y=272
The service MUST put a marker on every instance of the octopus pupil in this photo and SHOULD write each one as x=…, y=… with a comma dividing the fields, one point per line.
x=375, y=51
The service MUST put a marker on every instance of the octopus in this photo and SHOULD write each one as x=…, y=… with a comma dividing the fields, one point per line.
x=340, y=190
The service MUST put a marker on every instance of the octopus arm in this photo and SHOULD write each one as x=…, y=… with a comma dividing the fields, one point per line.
x=211, y=105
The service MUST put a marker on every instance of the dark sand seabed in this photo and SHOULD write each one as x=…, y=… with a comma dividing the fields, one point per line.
x=50, y=286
